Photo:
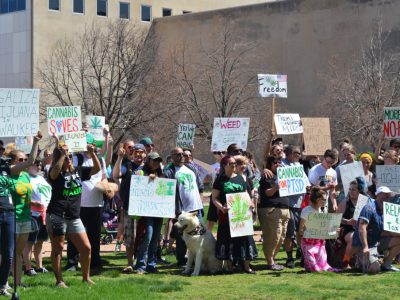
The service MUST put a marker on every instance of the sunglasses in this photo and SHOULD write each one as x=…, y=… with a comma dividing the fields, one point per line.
x=138, y=152
x=232, y=164
x=277, y=162
x=239, y=151
x=219, y=152
x=22, y=159
x=186, y=155
x=149, y=145
x=179, y=154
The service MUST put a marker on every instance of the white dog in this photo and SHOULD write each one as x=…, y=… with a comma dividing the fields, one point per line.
x=200, y=243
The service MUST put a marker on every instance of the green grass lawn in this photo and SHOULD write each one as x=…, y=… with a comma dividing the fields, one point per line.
x=169, y=284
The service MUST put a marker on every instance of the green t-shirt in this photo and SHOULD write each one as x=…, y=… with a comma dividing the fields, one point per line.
x=21, y=192
x=5, y=202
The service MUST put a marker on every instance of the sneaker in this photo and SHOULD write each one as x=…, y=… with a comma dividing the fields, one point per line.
x=41, y=270
x=3, y=292
x=140, y=271
x=290, y=263
x=389, y=269
x=118, y=246
x=71, y=268
x=61, y=285
x=31, y=272
x=163, y=261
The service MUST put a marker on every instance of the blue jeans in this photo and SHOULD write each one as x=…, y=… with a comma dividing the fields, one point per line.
x=7, y=245
x=147, y=250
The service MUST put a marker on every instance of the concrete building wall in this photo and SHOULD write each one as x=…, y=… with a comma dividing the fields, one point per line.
x=15, y=49
x=294, y=37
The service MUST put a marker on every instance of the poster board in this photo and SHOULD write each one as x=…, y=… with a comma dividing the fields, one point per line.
x=322, y=226
x=76, y=141
x=185, y=138
x=391, y=122
x=389, y=176
x=272, y=85
x=361, y=202
x=24, y=143
x=228, y=131
x=286, y=124
x=317, y=135
x=19, y=112
x=391, y=217
x=64, y=119
x=291, y=180
x=152, y=198
x=240, y=214
x=350, y=172
x=96, y=125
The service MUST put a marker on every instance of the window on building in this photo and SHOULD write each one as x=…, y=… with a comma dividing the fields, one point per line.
x=102, y=8
x=54, y=4
x=79, y=6
x=9, y=6
x=124, y=10
x=166, y=12
x=146, y=13
x=186, y=12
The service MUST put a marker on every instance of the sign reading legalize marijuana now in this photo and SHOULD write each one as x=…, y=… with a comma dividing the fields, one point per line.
x=152, y=198
x=96, y=125
x=240, y=214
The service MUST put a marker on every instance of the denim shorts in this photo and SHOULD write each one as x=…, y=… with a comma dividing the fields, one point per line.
x=24, y=227
x=40, y=234
x=58, y=226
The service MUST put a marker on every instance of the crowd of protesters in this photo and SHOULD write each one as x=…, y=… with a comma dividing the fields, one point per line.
x=61, y=196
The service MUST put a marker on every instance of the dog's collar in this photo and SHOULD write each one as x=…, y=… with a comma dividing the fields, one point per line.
x=199, y=230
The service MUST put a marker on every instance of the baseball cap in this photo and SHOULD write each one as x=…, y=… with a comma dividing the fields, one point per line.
x=276, y=140
x=139, y=147
x=146, y=141
x=155, y=156
x=382, y=189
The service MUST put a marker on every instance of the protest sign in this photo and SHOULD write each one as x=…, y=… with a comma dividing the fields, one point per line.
x=19, y=112
x=228, y=131
x=361, y=202
x=240, y=214
x=388, y=175
x=288, y=124
x=201, y=168
x=185, y=138
x=350, y=172
x=272, y=85
x=24, y=143
x=76, y=141
x=391, y=217
x=152, y=198
x=317, y=135
x=64, y=119
x=291, y=180
x=322, y=226
x=96, y=125
x=391, y=122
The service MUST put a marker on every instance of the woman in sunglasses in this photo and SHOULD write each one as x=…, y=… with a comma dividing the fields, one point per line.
x=63, y=211
x=18, y=185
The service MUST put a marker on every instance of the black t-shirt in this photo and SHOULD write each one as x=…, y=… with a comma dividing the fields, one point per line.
x=228, y=185
x=66, y=192
x=128, y=168
x=275, y=200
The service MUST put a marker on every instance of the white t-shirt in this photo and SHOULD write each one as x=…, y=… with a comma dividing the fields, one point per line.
x=320, y=176
x=306, y=211
x=91, y=197
x=41, y=192
x=188, y=189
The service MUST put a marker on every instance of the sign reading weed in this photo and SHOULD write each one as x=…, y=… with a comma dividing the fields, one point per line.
x=152, y=197
x=228, y=131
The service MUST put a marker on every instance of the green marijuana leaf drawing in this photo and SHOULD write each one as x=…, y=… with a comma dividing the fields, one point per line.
x=239, y=210
x=96, y=123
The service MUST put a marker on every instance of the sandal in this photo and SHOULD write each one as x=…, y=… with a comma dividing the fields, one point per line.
x=127, y=270
x=275, y=267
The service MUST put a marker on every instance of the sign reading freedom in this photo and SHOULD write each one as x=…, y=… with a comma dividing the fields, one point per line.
x=19, y=112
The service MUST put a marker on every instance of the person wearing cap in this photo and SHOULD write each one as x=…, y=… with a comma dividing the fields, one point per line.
x=147, y=142
x=146, y=258
x=91, y=207
x=368, y=232
x=131, y=167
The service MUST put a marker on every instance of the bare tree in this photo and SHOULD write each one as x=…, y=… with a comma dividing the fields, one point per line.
x=361, y=91
x=104, y=70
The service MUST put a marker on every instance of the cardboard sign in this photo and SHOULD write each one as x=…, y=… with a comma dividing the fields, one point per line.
x=272, y=85
x=286, y=124
x=152, y=198
x=317, y=135
x=64, y=119
x=202, y=172
x=19, y=112
x=24, y=143
x=185, y=138
x=391, y=217
x=391, y=122
x=361, y=202
x=291, y=180
x=388, y=176
x=240, y=214
x=96, y=125
x=228, y=131
x=322, y=226
x=350, y=172
x=76, y=141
